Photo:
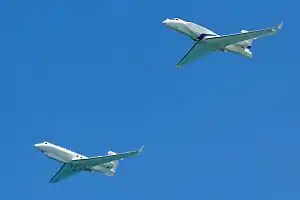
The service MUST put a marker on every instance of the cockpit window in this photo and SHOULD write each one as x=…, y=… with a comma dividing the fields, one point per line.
x=46, y=142
x=176, y=19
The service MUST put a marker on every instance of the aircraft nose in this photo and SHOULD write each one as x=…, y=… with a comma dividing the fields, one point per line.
x=165, y=21
x=37, y=146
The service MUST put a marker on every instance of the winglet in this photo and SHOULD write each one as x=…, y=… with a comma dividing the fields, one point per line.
x=279, y=26
x=179, y=66
x=141, y=149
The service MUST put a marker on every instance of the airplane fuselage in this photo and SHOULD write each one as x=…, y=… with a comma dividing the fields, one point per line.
x=200, y=34
x=63, y=155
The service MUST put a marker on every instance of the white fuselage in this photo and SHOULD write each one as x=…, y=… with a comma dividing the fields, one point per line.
x=199, y=33
x=63, y=155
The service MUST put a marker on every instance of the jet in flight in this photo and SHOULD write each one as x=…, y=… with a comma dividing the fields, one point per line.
x=207, y=41
x=73, y=163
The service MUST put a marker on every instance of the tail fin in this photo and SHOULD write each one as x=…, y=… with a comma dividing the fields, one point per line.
x=116, y=162
x=248, y=42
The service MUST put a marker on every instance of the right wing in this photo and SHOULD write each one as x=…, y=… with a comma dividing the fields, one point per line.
x=100, y=160
x=66, y=171
x=225, y=40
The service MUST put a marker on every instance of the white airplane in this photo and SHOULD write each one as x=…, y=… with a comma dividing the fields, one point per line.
x=207, y=41
x=73, y=163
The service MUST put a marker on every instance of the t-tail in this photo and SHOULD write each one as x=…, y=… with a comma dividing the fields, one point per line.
x=248, y=43
x=115, y=163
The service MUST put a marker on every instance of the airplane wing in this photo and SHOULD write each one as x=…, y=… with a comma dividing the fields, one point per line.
x=100, y=160
x=225, y=40
x=66, y=171
x=215, y=43
x=198, y=50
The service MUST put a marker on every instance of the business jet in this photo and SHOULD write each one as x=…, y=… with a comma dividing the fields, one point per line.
x=207, y=41
x=73, y=163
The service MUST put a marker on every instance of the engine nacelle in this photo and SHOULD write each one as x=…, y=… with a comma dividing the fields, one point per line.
x=109, y=165
x=248, y=53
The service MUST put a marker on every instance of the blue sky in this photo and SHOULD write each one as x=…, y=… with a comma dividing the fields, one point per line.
x=95, y=76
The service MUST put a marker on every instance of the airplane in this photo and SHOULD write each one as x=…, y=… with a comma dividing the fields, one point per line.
x=73, y=163
x=206, y=41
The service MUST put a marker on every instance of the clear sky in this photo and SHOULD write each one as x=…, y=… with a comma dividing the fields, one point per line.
x=94, y=76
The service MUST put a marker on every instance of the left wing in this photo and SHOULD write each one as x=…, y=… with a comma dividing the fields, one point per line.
x=100, y=160
x=198, y=50
x=66, y=171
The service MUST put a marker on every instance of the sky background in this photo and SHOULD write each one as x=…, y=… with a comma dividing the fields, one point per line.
x=94, y=76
